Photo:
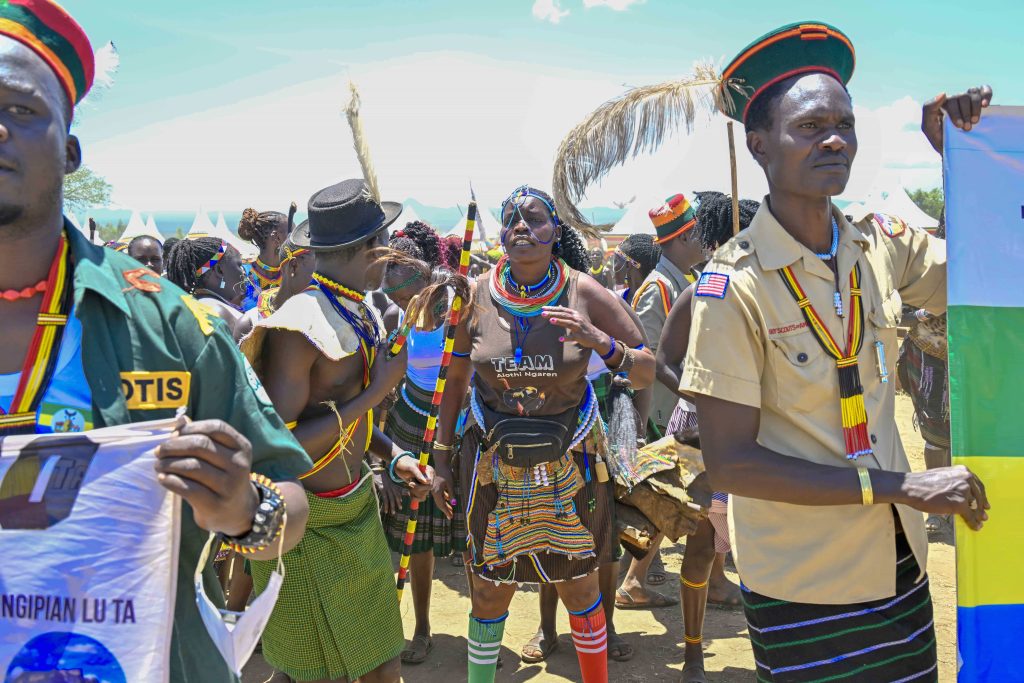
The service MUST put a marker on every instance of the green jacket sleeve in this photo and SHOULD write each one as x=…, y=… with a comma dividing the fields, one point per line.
x=225, y=387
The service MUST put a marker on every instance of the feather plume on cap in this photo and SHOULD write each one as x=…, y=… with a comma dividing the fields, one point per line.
x=361, y=145
x=108, y=62
x=625, y=127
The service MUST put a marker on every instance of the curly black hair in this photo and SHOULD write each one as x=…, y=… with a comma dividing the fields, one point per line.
x=419, y=240
x=185, y=259
x=643, y=249
x=714, y=217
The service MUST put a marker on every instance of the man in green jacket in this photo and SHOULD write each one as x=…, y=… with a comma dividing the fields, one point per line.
x=92, y=339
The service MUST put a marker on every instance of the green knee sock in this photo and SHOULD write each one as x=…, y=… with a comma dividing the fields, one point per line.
x=484, y=644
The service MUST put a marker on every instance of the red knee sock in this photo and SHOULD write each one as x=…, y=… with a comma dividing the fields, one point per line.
x=590, y=636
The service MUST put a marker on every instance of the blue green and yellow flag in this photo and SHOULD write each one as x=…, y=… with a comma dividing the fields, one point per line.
x=984, y=178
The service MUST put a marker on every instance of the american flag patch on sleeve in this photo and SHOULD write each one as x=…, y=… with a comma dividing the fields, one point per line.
x=712, y=284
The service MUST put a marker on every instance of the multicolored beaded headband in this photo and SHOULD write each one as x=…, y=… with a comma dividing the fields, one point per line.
x=209, y=265
x=520, y=194
x=517, y=198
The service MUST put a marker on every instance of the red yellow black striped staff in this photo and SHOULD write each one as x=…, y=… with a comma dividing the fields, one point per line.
x=454, y=315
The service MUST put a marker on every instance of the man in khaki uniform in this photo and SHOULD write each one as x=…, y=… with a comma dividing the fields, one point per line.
x=791, y=358
x=680, y=252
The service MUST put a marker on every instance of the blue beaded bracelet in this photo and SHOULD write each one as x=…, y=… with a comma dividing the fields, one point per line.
x=611, y=351
x=391, y=467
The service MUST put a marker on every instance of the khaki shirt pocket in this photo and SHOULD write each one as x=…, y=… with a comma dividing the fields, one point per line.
x=800, y=369
x=883, y=321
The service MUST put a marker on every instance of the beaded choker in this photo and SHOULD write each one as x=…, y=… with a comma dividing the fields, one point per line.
x=364, y=325
x=266, y=276
x=522, y=301
x=851, y=392
x=338, y=289
x=41, y=359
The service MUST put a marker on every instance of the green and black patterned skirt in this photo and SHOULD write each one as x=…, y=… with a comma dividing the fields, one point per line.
x=892, y=639
x=434, y=532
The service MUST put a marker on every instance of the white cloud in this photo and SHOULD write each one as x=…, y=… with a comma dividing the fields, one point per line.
x=434, y=122
x=550, y=10
x=617, y=5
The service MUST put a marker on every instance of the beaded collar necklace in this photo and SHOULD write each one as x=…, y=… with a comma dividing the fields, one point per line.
x=41, y=359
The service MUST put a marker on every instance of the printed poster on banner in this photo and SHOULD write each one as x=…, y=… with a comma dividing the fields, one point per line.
x=89, y=548
x=984, y=184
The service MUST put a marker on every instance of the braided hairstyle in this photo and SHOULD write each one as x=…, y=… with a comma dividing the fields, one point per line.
x=185, y=259
x=168, y=245
x=714, y=218
x=255, y=226
x=642, y=249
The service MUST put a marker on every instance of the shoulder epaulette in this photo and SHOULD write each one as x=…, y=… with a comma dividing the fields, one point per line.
x=891, y=226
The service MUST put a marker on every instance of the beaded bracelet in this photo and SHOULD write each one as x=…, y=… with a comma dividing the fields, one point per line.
x=266, y=523
x=626, y=364
x=391, y=467
x=611, y=350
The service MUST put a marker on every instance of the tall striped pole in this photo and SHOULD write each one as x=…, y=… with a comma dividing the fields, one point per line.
x=451, y=325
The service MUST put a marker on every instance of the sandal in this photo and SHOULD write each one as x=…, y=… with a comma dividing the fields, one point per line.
x=418, y=650
x=538, y=648
x=656, y=572
x=733, y=600
x=624, y=600
x=618, y=649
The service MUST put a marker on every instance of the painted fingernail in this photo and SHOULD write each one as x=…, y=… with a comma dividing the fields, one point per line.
x=561, y=339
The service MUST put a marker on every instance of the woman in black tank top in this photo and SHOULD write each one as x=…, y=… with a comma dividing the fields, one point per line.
x=537, y=513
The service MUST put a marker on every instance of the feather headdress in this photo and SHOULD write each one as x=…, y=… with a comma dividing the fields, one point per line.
x=634, y=123
x=361, y=145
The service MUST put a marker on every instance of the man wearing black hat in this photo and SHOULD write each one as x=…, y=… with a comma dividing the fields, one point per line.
x=321, y=358
x=792, y=346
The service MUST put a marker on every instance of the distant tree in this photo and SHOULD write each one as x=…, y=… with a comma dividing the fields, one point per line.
x=111, y=231
x=930, y=201
x=85, y=189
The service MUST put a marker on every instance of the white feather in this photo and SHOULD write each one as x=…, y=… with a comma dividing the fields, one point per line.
x=107, y=63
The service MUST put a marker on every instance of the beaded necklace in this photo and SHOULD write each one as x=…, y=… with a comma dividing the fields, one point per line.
x=522, y=301
x=364, y=326
x=527, y=301
x=41, y=359
x=266, y=276
x=851, y=392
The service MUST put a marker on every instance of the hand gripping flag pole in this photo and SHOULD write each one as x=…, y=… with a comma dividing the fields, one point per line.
x=454, y=314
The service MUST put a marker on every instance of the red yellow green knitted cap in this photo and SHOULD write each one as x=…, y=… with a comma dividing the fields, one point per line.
x=672, y=218
x=803, y=47
x=48, y=30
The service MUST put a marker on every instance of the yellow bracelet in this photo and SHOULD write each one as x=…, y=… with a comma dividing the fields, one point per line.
x=867, y=494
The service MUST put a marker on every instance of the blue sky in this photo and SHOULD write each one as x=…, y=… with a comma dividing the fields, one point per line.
x=218, y=103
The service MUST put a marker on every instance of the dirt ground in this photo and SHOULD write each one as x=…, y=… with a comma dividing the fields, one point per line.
x=655, y=635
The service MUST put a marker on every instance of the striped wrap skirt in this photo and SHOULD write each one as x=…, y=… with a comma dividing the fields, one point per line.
x=434, y=531
x=892, y=639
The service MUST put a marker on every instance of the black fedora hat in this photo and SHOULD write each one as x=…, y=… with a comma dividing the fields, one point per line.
x=342, y=215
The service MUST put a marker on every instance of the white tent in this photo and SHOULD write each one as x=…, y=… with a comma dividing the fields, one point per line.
x=202, y=227
x=136, y=228
x=151, y=228
x=895, y=200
